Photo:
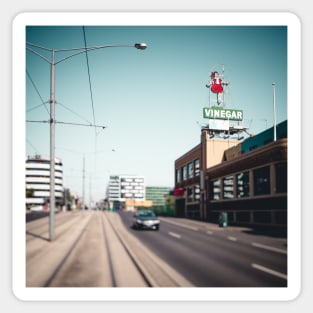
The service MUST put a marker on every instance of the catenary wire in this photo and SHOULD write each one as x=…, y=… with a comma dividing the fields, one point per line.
x=28, y=141
x=43, y=102
x=70, y=110
x=90, y=88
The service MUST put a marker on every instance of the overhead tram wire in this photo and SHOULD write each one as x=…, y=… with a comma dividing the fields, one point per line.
x=42, y=101
x=90, y=88
x=36, y=107
x=67, y=123
x=91, y=97
x=35, y=149
x=45, y=102
x=75, y=113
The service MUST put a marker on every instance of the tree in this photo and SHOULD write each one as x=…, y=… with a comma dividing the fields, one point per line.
x=29, y=192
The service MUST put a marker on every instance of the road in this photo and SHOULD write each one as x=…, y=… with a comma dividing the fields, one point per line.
x=210, y=256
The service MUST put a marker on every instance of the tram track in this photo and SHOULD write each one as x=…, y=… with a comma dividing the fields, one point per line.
x=94, y=260
x=91, y=256
x=124, y=268
x=132, y=257
x=86, y=262
x=96, y=250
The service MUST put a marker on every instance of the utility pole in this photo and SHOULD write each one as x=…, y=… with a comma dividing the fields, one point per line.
x=274, y=108
x=83, y=191
x=75, y=51
x=52, y=146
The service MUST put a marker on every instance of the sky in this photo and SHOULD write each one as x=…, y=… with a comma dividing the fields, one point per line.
x=150, y=101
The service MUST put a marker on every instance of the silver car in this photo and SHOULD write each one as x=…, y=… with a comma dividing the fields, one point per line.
x=146, y=219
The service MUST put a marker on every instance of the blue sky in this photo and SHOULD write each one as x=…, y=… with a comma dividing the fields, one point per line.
x=151, y=101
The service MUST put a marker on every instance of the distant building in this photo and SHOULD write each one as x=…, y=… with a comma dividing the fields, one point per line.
x=38, y=181
x=125, y=187
x=157, y=195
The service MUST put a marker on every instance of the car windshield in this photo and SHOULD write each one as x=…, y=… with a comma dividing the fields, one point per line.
x=145, y=214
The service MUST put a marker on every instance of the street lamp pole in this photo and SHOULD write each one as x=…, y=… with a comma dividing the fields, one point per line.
x=274, y=108
x=53, y=63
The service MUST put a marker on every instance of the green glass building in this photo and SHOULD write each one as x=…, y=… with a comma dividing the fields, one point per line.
x=157, y=195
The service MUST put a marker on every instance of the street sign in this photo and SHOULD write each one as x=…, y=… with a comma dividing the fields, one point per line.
x=223, y=114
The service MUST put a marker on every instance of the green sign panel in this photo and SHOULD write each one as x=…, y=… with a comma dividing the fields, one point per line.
x=222, y=114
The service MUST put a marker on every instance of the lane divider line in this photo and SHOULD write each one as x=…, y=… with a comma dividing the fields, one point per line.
x=174, y=235
x=269, y=271
x=258, y=245
x=232, y=238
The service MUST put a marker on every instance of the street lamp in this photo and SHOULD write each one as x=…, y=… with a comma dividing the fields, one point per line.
x=30, y=47
x=140, y=46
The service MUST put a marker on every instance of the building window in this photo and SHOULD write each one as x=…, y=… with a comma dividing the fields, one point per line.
x=228, y=187
x=243, y=185
x=190, y=170
x=178, y=176
x=215, y=189
x=184, y=172
x=197, y=192
x=197, y=167
x=261, y=178
x=281, y=177
x=253, y=147
x=190, y=194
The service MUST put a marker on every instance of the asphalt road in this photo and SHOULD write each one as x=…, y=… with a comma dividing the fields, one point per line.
x=210, y=256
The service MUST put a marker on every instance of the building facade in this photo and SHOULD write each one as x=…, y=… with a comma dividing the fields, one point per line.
x=249, y=183
x=157, y=195
x=125, y=187
x=38, y=181
x=190, y=173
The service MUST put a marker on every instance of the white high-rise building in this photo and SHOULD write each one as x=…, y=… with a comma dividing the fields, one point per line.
x=123, y=187
x=38, y=181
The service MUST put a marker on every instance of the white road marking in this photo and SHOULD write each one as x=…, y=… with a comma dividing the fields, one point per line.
x=181, y=225
x=269, y=271
x=232, y=238
x=174, y=235
x=209, y=232
x=258, y=245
